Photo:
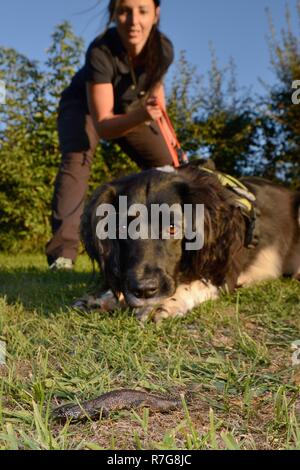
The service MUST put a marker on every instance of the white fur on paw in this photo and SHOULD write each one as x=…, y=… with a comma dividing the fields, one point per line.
x=144, y=313
x=105, y=302
x=162, y=314
x=157, y=313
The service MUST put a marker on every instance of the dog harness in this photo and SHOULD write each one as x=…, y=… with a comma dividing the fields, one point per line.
x=244, y=199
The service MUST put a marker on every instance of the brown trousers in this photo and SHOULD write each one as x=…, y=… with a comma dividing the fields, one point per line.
x=78, y=140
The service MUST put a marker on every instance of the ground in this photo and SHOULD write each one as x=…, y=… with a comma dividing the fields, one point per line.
x=234, y=353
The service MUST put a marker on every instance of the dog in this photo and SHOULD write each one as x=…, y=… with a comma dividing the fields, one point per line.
x=159, y=277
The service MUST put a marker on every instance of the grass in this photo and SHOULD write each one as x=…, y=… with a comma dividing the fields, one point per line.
x=235, y=353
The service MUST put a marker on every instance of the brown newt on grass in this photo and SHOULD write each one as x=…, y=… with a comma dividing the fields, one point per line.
x=116, y=400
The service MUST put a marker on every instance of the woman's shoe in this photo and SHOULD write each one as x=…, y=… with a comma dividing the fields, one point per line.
x=62, y=264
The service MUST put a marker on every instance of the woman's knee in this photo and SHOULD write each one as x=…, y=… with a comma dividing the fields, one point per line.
x=147, y=147
x=76, y=163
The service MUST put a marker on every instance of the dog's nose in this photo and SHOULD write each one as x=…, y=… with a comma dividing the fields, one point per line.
x=143, y=289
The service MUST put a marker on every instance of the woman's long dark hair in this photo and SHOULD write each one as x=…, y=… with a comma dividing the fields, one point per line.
x=156, y=63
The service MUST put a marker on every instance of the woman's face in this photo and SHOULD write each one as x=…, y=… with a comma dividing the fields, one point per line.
x=134, y=20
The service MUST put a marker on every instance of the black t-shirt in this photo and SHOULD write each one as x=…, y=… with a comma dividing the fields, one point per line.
x=107, y=62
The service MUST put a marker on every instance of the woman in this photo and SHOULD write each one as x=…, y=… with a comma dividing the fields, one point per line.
x=114, y=96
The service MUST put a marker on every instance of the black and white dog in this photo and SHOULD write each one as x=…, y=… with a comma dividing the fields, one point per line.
x=159, y=275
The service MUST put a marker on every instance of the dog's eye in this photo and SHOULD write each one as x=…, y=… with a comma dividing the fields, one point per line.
x=172, y=230
x=122, y=230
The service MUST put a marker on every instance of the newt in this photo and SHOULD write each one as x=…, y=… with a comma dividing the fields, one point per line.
x=116, y=400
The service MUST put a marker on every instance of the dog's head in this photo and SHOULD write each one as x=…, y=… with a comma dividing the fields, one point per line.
x=152, y=230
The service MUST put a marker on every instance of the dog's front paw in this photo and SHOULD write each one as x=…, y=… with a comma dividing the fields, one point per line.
x=144, y=313
x=161, y=313
x=167, y=310
x=158, y=313
x=106, y=301
x=81, y=304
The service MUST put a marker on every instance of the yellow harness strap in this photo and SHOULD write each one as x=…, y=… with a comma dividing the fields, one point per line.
x=244, y=197
x=244, y=200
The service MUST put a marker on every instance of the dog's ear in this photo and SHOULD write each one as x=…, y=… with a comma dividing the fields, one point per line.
x=96, y=248
x=217, y=260
x=224, y=231
x=231, y=240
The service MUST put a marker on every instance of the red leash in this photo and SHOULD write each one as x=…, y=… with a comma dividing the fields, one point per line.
x=179, y=157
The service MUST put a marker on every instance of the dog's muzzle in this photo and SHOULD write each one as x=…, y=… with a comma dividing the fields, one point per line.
x=140, y=291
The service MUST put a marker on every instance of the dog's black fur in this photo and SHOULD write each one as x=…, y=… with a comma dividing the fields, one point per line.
x=148, y=272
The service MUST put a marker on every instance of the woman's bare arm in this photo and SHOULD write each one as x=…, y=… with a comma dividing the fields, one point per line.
x=110, y=125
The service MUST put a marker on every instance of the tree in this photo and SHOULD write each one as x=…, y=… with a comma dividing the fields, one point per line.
x=214, y=120
x=281, y=118
x=29, y=153
x=19, y=189
x=184, y=99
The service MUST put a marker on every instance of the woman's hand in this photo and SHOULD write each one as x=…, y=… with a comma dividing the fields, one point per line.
x=153, y=109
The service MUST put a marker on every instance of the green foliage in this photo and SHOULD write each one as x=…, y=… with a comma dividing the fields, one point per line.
x=281, y=117
x=27, y=138
x=183, y=102
x=64, y=58
x=241, y=134
x=227, y=122
x=214, y=120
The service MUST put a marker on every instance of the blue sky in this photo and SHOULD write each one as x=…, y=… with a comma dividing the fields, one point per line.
x=236, y=28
